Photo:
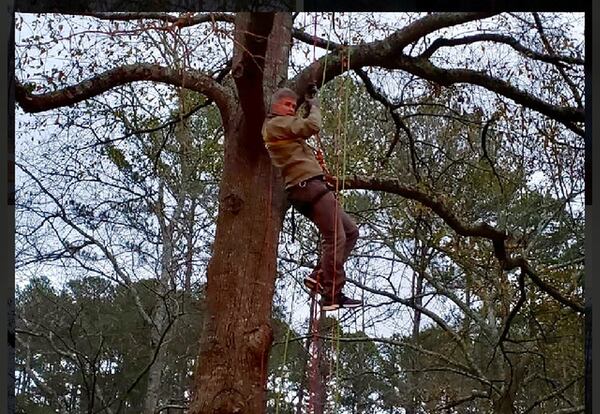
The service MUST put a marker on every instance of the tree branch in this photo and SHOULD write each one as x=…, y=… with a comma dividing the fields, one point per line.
x=548, y=46
x=497, y=237
x=473, y=367
x=371, y=53
x=400, y=124
x=513, y=313
x=459, y=401
x=251, y=35
x=459, y=367
x=387, y=53
x=498, y=38
x=317, y=41
x=442, y=290
x=446, y=77
x=190, y=79
x=485, y=153
x=181, y=21
x=553, y=394
x=108, y=254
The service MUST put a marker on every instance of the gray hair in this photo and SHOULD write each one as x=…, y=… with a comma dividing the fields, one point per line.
x=283, y=93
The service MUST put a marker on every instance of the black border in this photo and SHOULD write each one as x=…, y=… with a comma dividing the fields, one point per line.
x=7, y=201
x=592, y=91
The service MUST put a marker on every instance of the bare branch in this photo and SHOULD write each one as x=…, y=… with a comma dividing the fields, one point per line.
x=473, y=367
x=576, y=306
x=60, y=401
x=516, y=309
x=185, y=20
x=498, y=38
x=553, y=394
x=432, y=201
x=400, y=124
x=459, y=367
x=371, y=53
x=459, y=401
x=485, y=153
x=168, y=124
x=444, y=291
x=108, y=254
x=317, y=41
x=446, y=77
x=548, y=46
x=190, y=79
x=387, y=53
x=144, y=371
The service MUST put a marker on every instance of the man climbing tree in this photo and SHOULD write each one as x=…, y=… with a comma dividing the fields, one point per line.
x=285, y=137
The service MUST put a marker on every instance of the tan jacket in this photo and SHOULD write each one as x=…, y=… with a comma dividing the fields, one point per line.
x=285, y=140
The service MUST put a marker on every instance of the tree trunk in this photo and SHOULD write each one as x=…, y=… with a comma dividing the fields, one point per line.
x=231, y=372
x=420, y=255
x=160, y=332
x=160, y=316
x=153, y=388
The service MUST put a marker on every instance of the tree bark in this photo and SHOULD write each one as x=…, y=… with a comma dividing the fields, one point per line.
x=231, y=373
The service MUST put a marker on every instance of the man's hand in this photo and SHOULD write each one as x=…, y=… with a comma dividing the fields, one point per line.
x=311, y=90
x=312, y=102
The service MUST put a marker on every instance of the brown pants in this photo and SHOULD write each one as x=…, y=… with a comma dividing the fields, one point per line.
x=313, y=199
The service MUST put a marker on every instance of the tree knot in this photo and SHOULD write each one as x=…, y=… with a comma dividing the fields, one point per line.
x=228, y=401
x=233, y=203
x=259, y=339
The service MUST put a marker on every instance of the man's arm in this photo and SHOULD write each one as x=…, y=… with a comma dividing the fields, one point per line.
x=306, y=127
x=282, y=128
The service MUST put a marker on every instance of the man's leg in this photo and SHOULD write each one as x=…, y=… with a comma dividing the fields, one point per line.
x=328, y=217
x=349, y=235
x=351, y=231
x=315, y=279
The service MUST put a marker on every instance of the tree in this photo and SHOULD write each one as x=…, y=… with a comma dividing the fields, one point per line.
x=236, y=339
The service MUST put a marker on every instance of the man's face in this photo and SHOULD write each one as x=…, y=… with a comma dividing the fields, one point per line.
x=284, y=106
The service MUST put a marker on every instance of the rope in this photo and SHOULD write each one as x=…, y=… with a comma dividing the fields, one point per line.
x=314, y=352
x=319, y=149
x=285, y=350
x=336, y=328
x=314, y=348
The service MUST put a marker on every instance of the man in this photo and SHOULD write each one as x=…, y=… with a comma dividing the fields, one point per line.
x=285, y=136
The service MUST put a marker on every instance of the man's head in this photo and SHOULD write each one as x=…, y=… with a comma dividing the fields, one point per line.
x=283, y=102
